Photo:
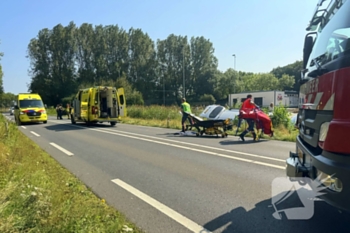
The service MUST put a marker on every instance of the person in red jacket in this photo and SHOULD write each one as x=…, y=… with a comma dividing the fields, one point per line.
x=247, y=106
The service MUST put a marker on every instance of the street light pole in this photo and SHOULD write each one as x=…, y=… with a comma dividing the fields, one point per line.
x=183, y=69
x=162, y=69
x=163, y=89
x=234, y=87
x=235, y=60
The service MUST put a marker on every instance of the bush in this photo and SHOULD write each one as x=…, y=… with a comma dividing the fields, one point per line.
x=207, y=98
x=153, y=112
x=280, y=117
x=67, y=100
x=134, y=98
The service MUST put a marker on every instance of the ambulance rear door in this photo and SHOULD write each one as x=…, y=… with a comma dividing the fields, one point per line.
x=77, y=105
x=121, y=102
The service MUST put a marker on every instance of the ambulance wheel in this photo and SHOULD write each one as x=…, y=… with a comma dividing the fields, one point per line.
x=113, y=123
x=44, y=122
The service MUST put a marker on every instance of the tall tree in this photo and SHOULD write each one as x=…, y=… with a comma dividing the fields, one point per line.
x=286, y=82
x=63, y=50
x=39, y=54
x=100, y=54
x=204, y=65
x=260, y=82
x=227, y=83
x=84, y=55
x=172, y=54
x=293, y=69
x=142, y=62
x=52, y=56
x=118, y=48
x=7, y=99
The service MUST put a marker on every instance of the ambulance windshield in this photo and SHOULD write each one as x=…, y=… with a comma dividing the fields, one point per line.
x=31, y=104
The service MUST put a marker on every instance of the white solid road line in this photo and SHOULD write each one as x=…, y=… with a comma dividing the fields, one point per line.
x=202, y=146
x=23, y=127
x=191, y=144
x=62, y=149
x=188, y=223
x=35, y=134
x=188, y=148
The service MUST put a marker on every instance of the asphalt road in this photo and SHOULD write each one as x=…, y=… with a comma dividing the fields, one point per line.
x=165, y=182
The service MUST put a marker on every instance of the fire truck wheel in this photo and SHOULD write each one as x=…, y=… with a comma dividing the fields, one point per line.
x=113, y=123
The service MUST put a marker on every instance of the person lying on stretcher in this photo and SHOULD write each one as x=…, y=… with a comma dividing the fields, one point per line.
x=248, y=106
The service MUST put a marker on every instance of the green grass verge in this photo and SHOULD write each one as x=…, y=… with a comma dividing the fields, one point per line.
x=39, y=195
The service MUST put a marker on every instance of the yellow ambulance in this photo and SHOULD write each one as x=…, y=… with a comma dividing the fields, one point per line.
x=29, y=108
x=98, y=104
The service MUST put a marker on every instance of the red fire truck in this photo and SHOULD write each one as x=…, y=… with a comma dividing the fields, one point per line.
x=322, y=147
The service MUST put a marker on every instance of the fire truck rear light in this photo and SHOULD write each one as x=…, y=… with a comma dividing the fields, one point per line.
x=323, y=134
x=329, y=181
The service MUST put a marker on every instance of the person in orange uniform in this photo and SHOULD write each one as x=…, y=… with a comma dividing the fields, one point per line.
x=247, y=106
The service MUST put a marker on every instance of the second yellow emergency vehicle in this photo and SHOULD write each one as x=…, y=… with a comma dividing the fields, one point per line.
x=98, y=104
x=29, y=108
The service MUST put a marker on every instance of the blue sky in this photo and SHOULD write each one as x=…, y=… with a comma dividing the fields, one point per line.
x=264, y=34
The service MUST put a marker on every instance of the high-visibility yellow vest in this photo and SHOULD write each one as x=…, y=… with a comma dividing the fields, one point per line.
x=186, y=107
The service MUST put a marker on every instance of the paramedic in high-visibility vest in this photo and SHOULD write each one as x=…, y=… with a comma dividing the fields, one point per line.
x=247, y=106
x=186, y=111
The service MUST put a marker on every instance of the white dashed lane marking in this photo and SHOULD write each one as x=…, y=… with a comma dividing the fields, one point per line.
x=35, y=134
x=188, y=223
x=61, y=149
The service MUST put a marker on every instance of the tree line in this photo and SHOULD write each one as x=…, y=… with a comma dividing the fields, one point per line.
x=64, y=59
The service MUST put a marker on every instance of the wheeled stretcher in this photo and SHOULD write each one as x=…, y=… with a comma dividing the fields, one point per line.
x=210, y=127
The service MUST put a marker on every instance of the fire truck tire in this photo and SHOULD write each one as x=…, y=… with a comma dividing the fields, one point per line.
x=113, y=123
